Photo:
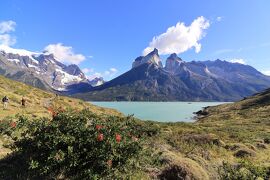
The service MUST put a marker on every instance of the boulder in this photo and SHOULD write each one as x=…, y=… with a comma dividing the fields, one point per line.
x=244, y=152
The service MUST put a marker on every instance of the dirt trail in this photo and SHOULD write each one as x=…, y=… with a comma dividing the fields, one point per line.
x=48, y=102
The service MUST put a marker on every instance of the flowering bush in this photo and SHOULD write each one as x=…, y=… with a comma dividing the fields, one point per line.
x=77, y=145
x=6, y=126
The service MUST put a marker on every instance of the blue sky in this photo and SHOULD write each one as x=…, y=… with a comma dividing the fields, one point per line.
x=105, y=36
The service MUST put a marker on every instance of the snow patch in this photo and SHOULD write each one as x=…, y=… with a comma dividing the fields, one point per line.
x=60, y=89
x=14, y=60
x=33, y=66
x=21, y=52
x=67, y=78
x=99, y=83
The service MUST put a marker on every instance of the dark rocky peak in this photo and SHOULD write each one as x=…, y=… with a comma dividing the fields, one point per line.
x=73, y=70
x=174, y=57
x=174, y=63
x=152, y=58
x=154, y=52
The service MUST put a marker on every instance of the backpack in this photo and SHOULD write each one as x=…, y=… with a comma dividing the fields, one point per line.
x=5, y=99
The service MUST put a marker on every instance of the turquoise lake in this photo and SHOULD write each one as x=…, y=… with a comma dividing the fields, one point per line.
x=159, y=111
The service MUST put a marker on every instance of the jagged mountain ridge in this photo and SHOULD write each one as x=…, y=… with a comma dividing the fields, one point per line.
x=148, y=80
x=42, y=70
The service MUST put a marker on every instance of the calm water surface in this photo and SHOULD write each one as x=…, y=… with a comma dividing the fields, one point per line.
x=159, y=111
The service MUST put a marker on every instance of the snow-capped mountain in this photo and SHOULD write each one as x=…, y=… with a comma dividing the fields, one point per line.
x=44, y=68
x=97, y=81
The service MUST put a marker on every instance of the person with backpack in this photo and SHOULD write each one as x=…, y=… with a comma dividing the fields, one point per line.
x=5, y=102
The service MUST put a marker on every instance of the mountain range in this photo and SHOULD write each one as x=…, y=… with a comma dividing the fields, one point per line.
x=42, y=70
x=179, y=80
x=147, y=80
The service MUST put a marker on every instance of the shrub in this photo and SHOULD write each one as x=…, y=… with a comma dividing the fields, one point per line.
x=6, y=126
x=243, y=170
x=77, y=145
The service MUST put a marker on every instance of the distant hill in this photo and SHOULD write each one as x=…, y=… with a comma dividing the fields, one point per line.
x=148, y=80
x=250, y=109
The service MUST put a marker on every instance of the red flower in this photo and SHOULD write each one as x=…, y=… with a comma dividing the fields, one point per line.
x=118, y=138
x=98, y=127
x=51, y=110
x=109, y=163
x=100, y=137
x=13, y=124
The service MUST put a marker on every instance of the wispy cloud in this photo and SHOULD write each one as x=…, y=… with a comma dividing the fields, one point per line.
x=180, y=38
x=219, y=18
x=108, y=74
x=64, y=54
x=7, y=26
x=266, y=72
x=87, y=70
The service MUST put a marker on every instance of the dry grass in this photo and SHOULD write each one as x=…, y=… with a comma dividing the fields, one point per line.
x=38, y=101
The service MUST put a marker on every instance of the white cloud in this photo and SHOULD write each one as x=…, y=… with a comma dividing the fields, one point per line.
x=64, y=54
x=113, y=70
x=106, y=74
x=7, y=26
x=87, y=70
x=266, y=72
x=7, y=39
x=240, y=61
x=180, y=38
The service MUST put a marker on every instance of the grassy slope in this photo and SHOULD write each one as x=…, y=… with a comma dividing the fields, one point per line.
x=38, y=100
x=37, y=104
x=227, y=129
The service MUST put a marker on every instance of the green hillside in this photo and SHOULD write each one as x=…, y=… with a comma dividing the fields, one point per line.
x=38, y=101
x=229, y=141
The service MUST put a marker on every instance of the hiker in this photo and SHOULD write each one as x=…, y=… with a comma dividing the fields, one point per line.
x=5, y=102
x=23, y=102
